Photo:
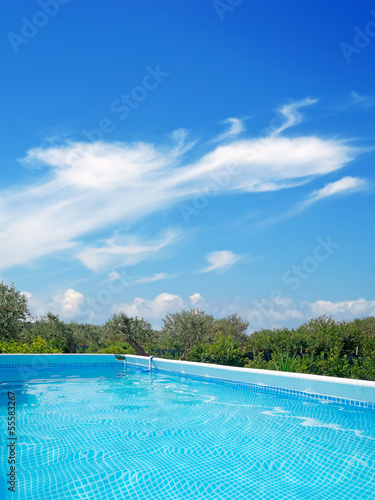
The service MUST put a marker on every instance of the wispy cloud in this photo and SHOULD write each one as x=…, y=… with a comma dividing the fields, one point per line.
x=94, y=186
x=355, y=100
x=131, y=281
x=220, y=261
x=346, y=185
x=150, y=279
x=342, y=187
x=365, y=101
x=236, y=126
x=292, y=114
x=122, y=251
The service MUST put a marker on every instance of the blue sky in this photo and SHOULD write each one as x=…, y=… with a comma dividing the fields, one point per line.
x=166, y=155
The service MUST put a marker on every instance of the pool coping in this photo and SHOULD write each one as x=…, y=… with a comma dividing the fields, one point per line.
x=341, y=390
x=327, y=389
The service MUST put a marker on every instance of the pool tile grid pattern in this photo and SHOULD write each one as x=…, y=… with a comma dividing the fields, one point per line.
x=50, y=366
x=261, y=388
x=124, y=434
x=32, y=367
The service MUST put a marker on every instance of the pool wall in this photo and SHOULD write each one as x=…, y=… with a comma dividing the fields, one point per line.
x=352, y=391
x=17, y=360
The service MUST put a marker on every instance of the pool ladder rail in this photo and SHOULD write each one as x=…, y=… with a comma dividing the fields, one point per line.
x=122, y=357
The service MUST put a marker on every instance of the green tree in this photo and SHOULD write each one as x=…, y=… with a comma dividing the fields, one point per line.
x=135, y=331
x=51, y=327
x=188, y=327
x=232, y=325
x=14, y=312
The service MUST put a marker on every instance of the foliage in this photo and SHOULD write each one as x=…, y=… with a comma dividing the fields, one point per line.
x=224, y=350
x=331, y=364
x=113, y=349
x=320, y=346
x=364, y=368
x=319, y=335
x=135, y=331
x=232, y=325
x=186, y=328
x=117, y=348
x=258, y=362
x=64, y=335
x=37, y=346
x=279, y=340
x=283, y=362
x=14, y=312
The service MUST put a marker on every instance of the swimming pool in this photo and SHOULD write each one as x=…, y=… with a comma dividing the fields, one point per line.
x=116, y=432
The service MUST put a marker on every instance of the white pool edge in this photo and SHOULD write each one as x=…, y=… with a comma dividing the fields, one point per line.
x=326, y=388
x=350, y=391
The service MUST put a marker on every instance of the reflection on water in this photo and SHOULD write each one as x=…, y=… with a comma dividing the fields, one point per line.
x=110, y=433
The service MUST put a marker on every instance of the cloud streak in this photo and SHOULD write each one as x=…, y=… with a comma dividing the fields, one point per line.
x=290, y=112
x=220, y=261
x=122, y=251
x=236, y=126
x=88, y=187
x=346, y=185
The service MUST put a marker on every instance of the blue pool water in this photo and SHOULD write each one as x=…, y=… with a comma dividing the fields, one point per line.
x=116, y=433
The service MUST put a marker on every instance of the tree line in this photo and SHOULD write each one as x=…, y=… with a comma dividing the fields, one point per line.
x=321, y=345
x=120, y=333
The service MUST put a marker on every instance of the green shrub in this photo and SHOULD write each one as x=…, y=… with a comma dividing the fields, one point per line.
x=364, y=369
x=112, y=350
x=222, y=351
x=117, y=348
x=257, y=362
x=283, y=362
x=35, y=346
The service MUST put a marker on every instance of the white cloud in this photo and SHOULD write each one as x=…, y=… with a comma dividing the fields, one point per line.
x=94, y=186
x=127, y=280
x=71, y=301
x=265, y=312
x=220, y=261
x=150, y=279
x=67, y=304
x=157, y=308
x=236, y=126
x=342, y=309
x=292, y=114
x=261, y=313
x=195, y=298
x=346, y=185
x=122, y=251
